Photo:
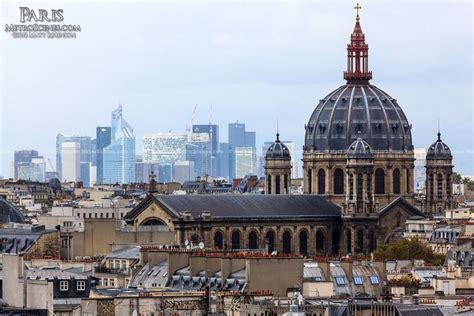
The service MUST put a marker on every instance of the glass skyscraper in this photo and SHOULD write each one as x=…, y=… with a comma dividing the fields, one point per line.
x=85, y=154
x=119, y=156
x=239, y=138
x=103, y=139
x=23, y=157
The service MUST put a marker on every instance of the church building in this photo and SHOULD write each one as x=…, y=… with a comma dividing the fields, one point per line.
x=358, y=163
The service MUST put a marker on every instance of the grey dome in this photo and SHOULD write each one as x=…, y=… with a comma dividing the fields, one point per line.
x=278, y=150
x=439, y=150
x=359, y=149
x=358, y=110
x=9, y=213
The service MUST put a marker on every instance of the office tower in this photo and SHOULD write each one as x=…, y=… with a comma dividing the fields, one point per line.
x=93, y=175
x=94, y=152
x=199, y=152
x=103, y=138
x=70, y=161
x=23, y=156
x=38, y=169
x=239, y=137
x=183, y=171
x=85, y=174
x=119, y=156
x=290, y=147
x=165, y=172
x=164, y=147
x=224, y=158
x=212, y=131
x=420, y=170
x=245, y=161
x=85, y=145
x=143, y=171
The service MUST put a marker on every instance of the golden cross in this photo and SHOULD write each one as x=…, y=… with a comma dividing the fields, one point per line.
x=357, y=8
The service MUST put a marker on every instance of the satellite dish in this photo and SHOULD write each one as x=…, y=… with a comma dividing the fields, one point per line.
x=186, y=242
x=201, y=245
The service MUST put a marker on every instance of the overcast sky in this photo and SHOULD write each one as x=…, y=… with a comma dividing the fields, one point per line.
x=255, y=62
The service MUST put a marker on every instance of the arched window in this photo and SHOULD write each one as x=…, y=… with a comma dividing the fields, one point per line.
x=286, y=184
x=218, y=240
x=338, y=181
x=310, y=181
x=319, y=241
x=335, y=241
x=235, y=239
x=360, y=240
x=269, y=184
x=408, y=181
x=286, y=242
x=253, y=240
x=321, y=181
x=270, y=239
x=396, y=181
x=277, y=184
x=379, y=181
x=303, y=242
x=371, y=241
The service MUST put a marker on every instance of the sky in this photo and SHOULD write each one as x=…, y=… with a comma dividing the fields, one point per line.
x=254, y=62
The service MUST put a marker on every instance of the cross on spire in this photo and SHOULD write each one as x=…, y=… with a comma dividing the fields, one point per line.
x=357, y=8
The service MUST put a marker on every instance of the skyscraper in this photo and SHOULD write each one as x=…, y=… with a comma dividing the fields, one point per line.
x=21, y=157
x=239, y=137
x=164, y=147
x=103, y=139
x=119, y=156
x=245, y=161
x=85, y=154
x=212, y=130
x=183, y=171
x=224, y=158
x=70, y=161
x=199, y=152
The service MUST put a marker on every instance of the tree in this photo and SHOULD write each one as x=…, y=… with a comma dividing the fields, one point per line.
x=457, y=179
x=409, y=249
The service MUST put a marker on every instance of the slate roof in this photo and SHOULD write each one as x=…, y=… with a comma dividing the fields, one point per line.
x=243, y=206
x=400, y=200
x=9, y=213
x=125, y=253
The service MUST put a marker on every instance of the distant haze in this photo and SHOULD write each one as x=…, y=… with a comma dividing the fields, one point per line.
x=255, y=62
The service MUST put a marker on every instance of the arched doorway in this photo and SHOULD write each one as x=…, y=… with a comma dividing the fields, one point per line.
x=153, y=222
x=303, y=238
x=270, y=239
x=286, y=242
x=319, y=241
x=218, y=240
x=235, y=239
x=253, y=240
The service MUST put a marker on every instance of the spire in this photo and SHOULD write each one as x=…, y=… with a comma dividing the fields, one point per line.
x=439, y=132
x=278, y=134
x=357, y=55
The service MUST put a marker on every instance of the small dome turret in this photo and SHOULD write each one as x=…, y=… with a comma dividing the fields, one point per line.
x=278, y=150
x=439, y=150
x=359, y=149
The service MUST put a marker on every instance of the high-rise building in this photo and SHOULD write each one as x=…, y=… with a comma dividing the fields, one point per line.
x=85, y=174
x=224, y=158
x=34, y=170
x=199, y=151
x=143, y=171
x=419, y=173
x=119, y=156
x=183, y=171
x=21, y=157
x=212, y=131
x=103, y=139
x=239, y=137
x=164, y=147
x=165, y=172
x=245, y=161
x=85, y=154
x=70, y=161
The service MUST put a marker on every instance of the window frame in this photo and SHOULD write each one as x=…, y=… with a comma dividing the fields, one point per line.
x=64, y=285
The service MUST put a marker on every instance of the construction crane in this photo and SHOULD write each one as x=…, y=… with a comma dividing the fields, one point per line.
x=189, y=126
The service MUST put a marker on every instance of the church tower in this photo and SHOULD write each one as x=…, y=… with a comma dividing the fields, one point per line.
x=277, y=168
x=439, y=171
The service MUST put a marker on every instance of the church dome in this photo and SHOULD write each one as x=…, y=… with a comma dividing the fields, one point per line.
x=278, y=150
x=439, y=150
x=358, y=109
x=359, y=149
